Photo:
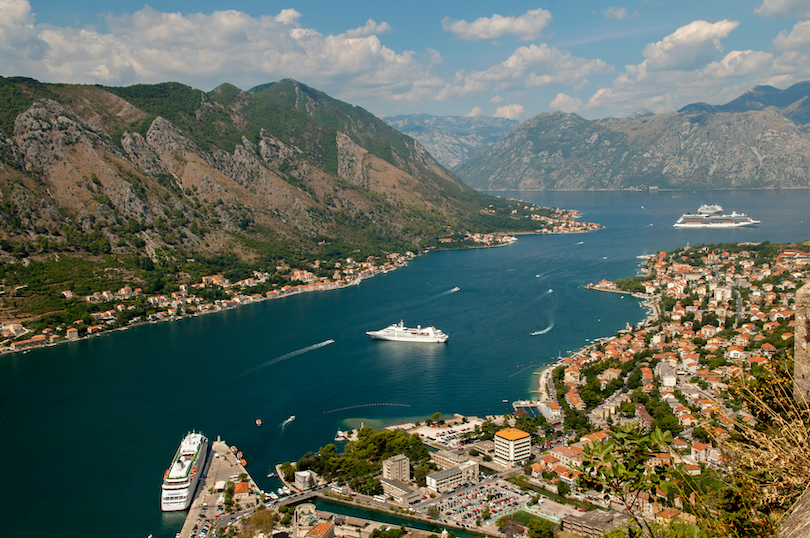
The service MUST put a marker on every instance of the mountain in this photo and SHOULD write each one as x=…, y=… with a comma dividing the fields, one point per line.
x=453, y=139
x=138, y=179
x=792, y=102
x=758, y=140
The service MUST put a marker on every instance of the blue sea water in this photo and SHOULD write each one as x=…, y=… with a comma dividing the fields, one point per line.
x=90, y=426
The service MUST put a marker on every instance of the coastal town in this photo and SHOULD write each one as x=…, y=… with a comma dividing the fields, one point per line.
x=129, y=305
x=720, y=316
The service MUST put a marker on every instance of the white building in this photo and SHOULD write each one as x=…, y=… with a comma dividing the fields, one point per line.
x=512, y=447
x=450, y=479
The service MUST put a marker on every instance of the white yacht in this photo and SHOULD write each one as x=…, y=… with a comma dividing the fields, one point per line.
x=180, y=480
x=401, y=333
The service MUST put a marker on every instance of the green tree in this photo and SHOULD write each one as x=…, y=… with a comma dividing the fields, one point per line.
x=621, y=466
x=563, y=488
x=540, y=528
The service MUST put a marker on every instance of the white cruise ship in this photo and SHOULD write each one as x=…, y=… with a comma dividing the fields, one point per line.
x=180, y=480
x=712, y=216
x=401, y=333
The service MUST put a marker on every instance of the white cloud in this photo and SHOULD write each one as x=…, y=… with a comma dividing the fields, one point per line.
x=737, y=64
x=288, y=17
x=526, y=27
x=797, y=39
x=784, y=9
x=689, y=47
x=510, y=112
x=496, y=99
x=476, y=111
x=534, y=66
x=566, y=103
x=370, y=28
x=618, y=13
x=150, y=46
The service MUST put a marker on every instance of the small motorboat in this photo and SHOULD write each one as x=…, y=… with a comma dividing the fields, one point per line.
x=258, y=422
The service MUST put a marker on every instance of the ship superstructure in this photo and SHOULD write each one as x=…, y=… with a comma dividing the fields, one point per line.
x=712, y=216
x=401, y=333
x=181, y=478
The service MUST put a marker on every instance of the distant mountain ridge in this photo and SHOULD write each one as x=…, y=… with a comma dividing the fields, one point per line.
x=758, y=140
x=453, y=139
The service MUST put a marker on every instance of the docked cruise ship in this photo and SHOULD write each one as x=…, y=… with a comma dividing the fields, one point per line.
x=180, y=480
x=712, y=216
x=401, y=333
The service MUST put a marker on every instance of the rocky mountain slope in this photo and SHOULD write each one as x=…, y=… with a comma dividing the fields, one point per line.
x=757, y=141
x=166, y=171
x=453, y=139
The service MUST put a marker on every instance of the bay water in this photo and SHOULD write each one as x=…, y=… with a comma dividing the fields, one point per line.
x=89, y=427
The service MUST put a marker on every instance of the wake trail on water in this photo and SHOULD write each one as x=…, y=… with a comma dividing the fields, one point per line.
x=543, y=331
x=286, y=356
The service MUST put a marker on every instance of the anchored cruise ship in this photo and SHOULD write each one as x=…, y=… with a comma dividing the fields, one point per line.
x=401, y=333
x=712, y=216
x=180, y=480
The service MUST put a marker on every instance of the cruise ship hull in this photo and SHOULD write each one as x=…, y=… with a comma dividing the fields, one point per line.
x=735, y=220
x=181, y=479
x=400, y=333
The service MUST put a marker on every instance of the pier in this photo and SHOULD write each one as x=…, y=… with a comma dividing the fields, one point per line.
x=223, y=466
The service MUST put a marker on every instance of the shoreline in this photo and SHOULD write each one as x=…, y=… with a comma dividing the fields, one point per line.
x=354, y=282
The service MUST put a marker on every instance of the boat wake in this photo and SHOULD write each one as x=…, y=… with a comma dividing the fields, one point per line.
x=544, y=331
x=284, y=424
x=289, y=355
x=580, y=243
x=453, y=290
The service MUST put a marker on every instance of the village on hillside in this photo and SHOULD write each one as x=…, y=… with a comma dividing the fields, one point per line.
x=722, y=314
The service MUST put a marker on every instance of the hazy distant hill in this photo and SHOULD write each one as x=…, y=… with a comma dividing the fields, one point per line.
x=453, y=139
x=757, y=140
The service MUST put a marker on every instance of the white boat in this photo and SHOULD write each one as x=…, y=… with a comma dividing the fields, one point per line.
x=273, y=496
x=341, y=436
x=180, y=480
x=401, y=333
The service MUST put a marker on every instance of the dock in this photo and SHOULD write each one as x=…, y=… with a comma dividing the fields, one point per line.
x=222, y=467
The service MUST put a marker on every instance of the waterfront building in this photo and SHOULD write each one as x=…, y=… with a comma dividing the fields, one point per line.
x=397, y=468
x=400, y=491
x=450, y=479
x=305, y=479
x=512, y=447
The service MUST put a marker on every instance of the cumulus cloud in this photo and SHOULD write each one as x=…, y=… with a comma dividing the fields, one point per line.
x=370, y=28
x=534, y=66
x=566, y=103
x=151, y=46
x=689, y=47
x=618, y=13
x=784, y=9
x=510, y=112
x=526, y=27
x=288, y=17
x=476, y=111
x=797, y=39
x=496, y=99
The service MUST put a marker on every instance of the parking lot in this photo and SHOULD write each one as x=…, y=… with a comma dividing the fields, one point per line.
x=468, y=504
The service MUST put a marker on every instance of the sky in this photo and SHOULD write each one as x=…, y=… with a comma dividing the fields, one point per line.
x=452, y=57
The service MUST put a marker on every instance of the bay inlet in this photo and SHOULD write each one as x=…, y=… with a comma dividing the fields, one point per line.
x=94, y=423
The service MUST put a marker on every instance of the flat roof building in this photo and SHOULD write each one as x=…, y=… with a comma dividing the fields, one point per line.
x=512, y=447
x=450, y=479
x=397, y=468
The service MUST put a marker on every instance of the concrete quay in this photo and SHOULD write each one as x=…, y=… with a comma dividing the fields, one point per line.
x=222, y=466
